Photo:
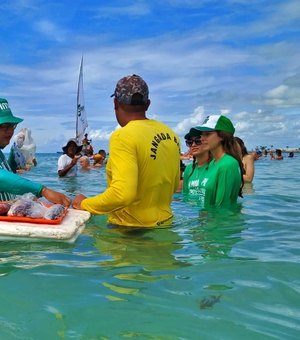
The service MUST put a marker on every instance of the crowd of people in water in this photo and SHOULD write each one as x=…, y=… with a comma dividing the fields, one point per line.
x=145, y=166
x=82, y=153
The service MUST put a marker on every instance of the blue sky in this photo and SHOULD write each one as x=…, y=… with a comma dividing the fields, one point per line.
x=240, y=58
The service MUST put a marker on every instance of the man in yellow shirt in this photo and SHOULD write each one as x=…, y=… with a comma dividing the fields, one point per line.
x=143, y=168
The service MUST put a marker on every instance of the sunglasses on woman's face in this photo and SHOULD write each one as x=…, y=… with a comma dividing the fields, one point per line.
x=189, y=142
x=7, y=126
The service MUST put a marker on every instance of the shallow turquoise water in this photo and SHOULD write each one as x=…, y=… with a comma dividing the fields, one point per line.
x=211, y=276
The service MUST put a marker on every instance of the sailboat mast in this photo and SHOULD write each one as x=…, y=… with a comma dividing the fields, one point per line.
x=77, y=101
x=81, y=121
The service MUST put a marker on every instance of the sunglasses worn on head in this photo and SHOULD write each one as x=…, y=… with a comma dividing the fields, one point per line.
x=7, y=126
x=189, y=142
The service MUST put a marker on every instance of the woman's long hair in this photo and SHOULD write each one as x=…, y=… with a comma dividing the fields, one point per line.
x=242, y=146
x=230, y=147
x=193, y=166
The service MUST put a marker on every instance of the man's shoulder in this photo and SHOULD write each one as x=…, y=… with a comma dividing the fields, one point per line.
x=163, y=127
x=147, y=127
x=158, y=122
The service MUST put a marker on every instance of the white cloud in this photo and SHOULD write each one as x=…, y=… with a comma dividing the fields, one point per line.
x=50, y=30
x=248, y=70
x=276, y=92
x=138, y=8
x=100, y=134
x=196, y=118
x=283, y=96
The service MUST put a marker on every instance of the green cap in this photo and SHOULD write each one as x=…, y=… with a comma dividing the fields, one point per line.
x=6, y=115
x=215, y=123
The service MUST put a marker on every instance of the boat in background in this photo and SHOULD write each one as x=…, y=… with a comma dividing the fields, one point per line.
x=81, y=120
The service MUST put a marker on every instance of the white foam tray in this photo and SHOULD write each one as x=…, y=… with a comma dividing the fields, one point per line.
x=68, y=230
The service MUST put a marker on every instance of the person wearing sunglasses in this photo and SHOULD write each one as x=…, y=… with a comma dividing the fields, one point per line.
x=12, y=184
x=194, y=172
x=222, y=183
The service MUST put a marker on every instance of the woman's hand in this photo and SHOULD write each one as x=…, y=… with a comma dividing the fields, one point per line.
x=56, y=197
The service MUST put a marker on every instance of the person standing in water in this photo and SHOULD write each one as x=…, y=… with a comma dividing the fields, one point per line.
x=67, y=163
x=278, y=155
x=247, y=160
x=194, y=172
x=223, y=181
x=12, y=184
x=143, y=167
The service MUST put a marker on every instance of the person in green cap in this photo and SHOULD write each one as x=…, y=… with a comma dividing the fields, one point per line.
x=222, y=182
x=12, y=184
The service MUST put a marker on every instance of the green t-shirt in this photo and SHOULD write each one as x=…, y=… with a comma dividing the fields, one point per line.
x=192, y=179
x=218, y=183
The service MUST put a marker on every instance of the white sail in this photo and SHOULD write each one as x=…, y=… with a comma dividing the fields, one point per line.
x=81, y=120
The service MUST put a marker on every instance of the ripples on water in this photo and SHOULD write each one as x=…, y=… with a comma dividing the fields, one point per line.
x=217, y=275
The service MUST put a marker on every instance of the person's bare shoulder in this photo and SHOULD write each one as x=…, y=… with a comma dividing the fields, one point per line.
x=249, y=158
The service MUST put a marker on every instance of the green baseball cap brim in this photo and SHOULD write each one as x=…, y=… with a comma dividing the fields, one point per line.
x=6, y=115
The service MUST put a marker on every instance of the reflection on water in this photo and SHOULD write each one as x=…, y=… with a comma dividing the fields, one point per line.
x=219, y=232
x=248, y=189
x=17, y=255
x=213, y=275
x=140, y=248
x=137, y=255
x=209, y=233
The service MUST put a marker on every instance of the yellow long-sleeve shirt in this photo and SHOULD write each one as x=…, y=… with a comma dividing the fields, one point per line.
x=143, y=173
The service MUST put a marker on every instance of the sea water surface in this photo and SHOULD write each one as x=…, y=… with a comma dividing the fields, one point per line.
x=219, y=275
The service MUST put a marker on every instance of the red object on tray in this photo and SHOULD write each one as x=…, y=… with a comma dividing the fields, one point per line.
x=33, y=220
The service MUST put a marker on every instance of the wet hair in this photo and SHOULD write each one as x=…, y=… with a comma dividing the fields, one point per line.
x=102, y=152
x=242, y=146
x=193, y=166
x=230, y=147
x=85, y=159
x=195, y=163
x=182, y=165
x=182, y=168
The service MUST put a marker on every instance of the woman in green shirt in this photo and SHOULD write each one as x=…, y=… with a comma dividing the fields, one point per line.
x=222, y=182
x=193, y=173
